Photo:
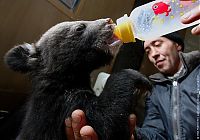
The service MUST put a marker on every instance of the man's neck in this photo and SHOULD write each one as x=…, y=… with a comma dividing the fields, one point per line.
x=177, y=73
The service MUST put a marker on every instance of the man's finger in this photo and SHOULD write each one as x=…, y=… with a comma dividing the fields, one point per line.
x=78, y=121
x=191, y=16
x=88, y=133
x=68, y=129
x=196, y=30
x=132, y=123
x=132, y=137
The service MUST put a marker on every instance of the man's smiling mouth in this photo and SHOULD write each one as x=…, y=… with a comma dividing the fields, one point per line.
x=158, y=62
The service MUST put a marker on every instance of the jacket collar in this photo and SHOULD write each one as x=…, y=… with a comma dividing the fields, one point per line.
x=190, y=61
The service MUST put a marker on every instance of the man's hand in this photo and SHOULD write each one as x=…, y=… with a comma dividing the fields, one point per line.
x=76, y=128
x=190, y=17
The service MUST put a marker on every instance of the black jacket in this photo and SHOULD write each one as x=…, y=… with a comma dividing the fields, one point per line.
x=173, y=108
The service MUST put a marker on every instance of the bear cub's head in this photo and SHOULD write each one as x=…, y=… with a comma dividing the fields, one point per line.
x=78, y=46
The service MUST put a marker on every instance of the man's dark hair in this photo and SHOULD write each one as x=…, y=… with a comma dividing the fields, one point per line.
x=176, y=38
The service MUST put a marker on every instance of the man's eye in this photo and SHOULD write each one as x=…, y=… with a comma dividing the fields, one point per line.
x=147, y=51
x=157, y=43
x=80, y=28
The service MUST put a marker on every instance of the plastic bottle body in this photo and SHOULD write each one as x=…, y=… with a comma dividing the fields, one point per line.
x=158, y=18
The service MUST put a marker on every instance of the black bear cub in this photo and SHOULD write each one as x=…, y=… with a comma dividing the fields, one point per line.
x=59, y=66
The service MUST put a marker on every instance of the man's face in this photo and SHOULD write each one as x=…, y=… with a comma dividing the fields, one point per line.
x=163, y=53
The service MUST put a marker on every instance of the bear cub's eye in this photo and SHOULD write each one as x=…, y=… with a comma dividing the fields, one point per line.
x=80, y=27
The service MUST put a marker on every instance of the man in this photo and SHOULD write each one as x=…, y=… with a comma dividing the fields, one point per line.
x=172, y=107
x=78, y=130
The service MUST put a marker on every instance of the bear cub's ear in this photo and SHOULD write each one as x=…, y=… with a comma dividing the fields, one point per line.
x=22, y=58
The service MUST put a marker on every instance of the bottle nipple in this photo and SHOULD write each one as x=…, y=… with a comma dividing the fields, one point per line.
x=123, y=30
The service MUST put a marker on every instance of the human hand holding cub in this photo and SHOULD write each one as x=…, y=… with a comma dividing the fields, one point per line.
x=76, y=128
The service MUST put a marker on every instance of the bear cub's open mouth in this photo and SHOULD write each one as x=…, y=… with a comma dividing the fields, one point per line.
x=112, y=41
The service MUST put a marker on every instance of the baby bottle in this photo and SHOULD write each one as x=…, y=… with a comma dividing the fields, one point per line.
x=154, y=19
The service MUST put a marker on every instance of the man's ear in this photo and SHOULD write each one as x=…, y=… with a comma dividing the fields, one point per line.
x=22, y=58
x=179, y=47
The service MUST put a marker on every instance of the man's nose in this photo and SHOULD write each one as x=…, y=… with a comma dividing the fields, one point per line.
x=154, y=53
